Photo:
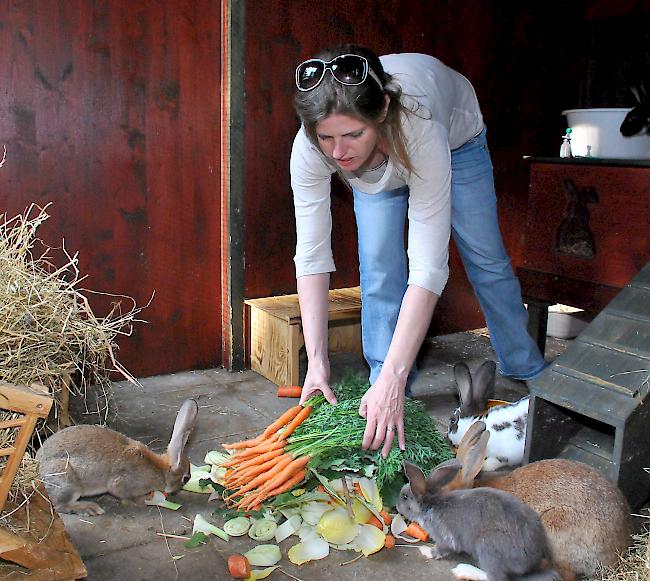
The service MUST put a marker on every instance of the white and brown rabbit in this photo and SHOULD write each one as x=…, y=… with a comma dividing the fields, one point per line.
x=506, y=423
x=88, y=460
x=498, y=530
x=586, y=517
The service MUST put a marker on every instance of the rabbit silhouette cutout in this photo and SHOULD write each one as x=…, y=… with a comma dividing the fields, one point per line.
x=574, y=236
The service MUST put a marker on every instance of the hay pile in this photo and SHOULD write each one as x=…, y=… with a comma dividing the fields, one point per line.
x=634, y=564
x=48, y=331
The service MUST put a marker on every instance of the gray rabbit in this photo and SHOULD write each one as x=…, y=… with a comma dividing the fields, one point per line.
x=89, y=460
x=498, y=530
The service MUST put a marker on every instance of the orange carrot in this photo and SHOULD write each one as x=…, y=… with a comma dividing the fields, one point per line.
x=320, y=488
x=244, y=443
x=299, y=419
x=248, y=453
x=357, y=488
x=264, y=478
x=239, y=567
x=417, y=532
x=287, y=472
x=290, y=391
x=387, y=518
x=284, y=419
x=375, y=522
x=260, y=459
x=252, y=471
x=288, y=485
x=389, y=541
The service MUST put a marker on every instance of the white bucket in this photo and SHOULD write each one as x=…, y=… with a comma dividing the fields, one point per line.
x=596, y=133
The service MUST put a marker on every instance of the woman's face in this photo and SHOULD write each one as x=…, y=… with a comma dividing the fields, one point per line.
x=351, y=143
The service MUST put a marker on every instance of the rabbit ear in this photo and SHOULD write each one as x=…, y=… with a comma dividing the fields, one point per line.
x=473, y=460
x=483, y=386
x=443, y=474
x=464, y=383
x=416, y=478
x=470, y=439
x=185, y=420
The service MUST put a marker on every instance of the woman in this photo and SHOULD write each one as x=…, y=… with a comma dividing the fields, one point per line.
x=406, y=133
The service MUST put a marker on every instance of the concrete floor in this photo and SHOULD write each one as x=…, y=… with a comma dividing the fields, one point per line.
x=124, y=543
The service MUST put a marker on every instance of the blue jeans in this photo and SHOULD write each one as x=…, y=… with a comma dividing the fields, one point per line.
x=475, y=228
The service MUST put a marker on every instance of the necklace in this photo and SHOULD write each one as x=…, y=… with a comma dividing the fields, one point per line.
x=381, y=164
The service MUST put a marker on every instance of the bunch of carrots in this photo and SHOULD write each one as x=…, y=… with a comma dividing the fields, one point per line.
x=260, y=468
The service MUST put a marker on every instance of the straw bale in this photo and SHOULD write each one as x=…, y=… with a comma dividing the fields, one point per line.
x=48, y=331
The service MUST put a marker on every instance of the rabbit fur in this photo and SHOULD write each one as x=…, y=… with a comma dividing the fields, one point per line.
x=586, y=517
x=88, y=460
x=637, y=121
x=499, y=531
x=506, y=423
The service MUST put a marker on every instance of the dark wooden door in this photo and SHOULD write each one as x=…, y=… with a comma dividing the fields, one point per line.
x=111, y=110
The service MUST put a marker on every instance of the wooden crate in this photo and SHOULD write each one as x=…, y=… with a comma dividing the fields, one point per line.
x=276, y=336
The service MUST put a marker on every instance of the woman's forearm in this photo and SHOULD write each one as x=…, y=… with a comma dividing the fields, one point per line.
x=313, y=296
x=414, y=319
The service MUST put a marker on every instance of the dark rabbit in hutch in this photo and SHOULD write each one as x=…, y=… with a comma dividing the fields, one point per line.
x=637, y=121
x=574, y=236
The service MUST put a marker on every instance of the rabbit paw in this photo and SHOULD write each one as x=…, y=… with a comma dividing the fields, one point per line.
x=83, y=508
x=468, y=573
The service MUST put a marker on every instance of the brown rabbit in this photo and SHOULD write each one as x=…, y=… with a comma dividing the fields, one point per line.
x=89, y=460
x=586, y=517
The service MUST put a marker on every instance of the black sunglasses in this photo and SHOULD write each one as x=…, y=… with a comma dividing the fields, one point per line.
x=347, y=69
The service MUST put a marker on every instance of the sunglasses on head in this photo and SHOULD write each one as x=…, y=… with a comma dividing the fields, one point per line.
x=347, y=69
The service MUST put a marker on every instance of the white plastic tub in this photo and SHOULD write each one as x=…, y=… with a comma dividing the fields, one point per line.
x=596, y=132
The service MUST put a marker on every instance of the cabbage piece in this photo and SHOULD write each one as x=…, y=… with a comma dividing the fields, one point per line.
x=159, y=499
x=398, y=526
x=262, y=529
x=237, y=527
x=370, y=492
x=201, y=525
x=309, y=550
x=261, y=573
x=288, y=528
x=216, y=458
x=307, y=531
x=289, y=512
x=337, y=527
x=311, y=512
x=369, y=540
x=198, y=473
x=263, y=555
x=218, y=474
x=361, y=513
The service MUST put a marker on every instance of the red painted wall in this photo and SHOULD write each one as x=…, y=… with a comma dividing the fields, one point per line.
x=509, y=52
x=110, y=110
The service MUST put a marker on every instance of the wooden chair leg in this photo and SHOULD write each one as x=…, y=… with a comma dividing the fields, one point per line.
x=64, y=418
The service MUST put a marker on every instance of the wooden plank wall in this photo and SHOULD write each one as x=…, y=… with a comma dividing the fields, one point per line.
x=521, y=71
x=110, y=110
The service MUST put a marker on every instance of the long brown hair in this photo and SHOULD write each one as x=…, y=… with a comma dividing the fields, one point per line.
x=365, y=102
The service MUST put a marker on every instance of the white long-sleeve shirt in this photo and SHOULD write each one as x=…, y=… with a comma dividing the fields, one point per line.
x=447, y=116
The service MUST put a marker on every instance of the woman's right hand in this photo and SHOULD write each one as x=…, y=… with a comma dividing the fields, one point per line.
x=317, y=379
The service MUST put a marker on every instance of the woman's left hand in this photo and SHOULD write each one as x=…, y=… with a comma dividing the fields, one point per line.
x=383, y=408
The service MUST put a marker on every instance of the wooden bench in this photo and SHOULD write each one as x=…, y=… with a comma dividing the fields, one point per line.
x=276, y=336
